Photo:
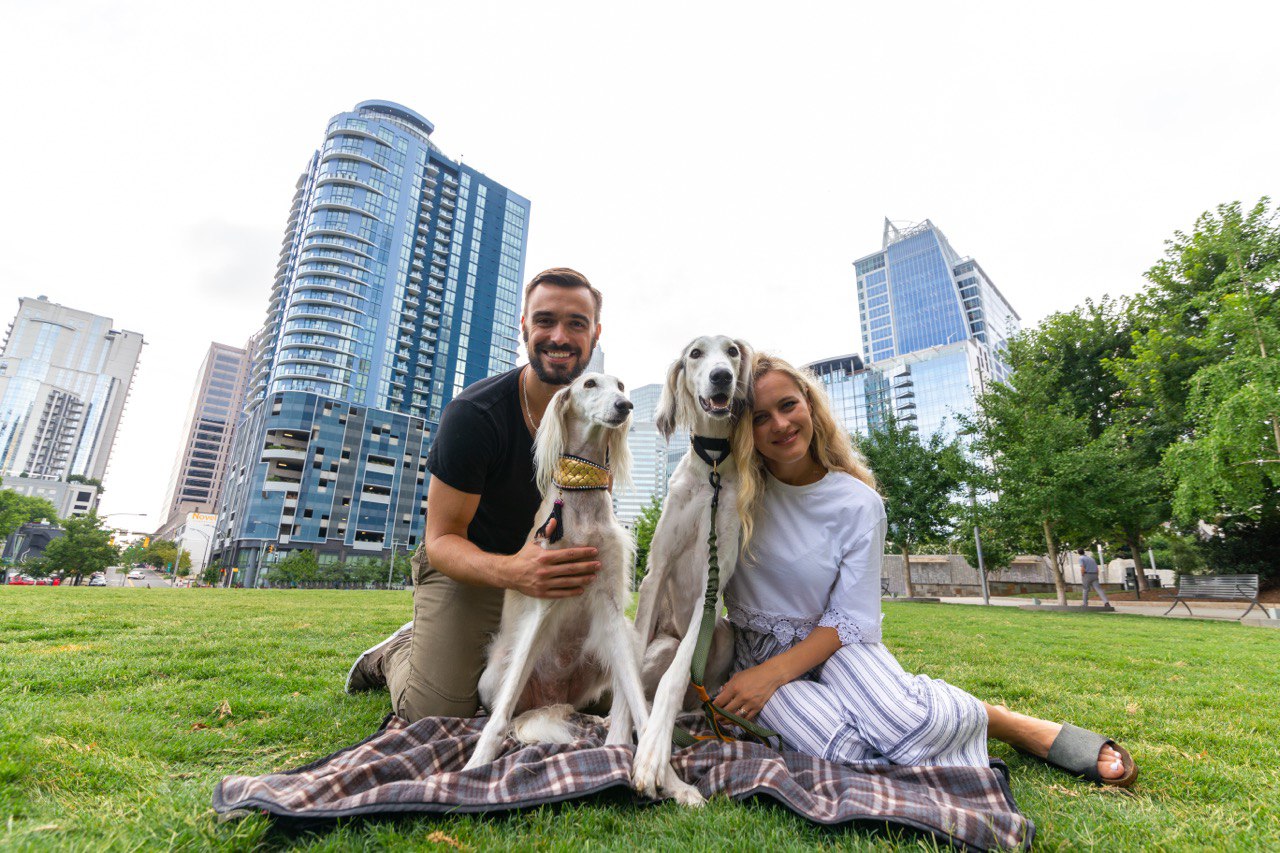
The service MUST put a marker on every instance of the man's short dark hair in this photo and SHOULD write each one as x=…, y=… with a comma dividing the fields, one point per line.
x=564, y=277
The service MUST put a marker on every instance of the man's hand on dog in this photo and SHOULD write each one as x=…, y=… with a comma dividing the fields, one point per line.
x=562, y=573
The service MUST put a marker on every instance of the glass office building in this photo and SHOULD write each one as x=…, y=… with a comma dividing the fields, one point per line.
x=934, y=329
x=917, y=293
x=924, y=389
x=398, y=285
x=65, y=376
x=206, y=444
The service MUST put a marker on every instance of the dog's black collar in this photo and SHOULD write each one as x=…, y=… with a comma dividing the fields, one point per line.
x=705, y=447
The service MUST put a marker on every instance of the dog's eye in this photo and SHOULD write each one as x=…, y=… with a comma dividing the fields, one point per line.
x=733, y=352
x=695, y=353
x=621, y=387
x=590, y=383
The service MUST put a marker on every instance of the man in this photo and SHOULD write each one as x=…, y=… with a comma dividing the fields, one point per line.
x=1089, y=577
x=480, y=507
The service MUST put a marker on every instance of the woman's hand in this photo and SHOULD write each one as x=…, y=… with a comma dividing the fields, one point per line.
x=748, y=691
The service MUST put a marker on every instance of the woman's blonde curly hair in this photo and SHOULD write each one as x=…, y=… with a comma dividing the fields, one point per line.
x=832, y=447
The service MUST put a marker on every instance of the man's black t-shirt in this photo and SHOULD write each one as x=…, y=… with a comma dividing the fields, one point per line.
x=484, y=448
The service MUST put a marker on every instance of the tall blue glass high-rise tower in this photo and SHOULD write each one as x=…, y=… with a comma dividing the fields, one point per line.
x=917, y=293
x=398, y=285
x=934, y=329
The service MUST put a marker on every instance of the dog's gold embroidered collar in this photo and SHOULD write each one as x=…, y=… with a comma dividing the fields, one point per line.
x=576, y=474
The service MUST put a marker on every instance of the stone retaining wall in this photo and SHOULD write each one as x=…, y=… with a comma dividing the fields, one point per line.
x=951, y=575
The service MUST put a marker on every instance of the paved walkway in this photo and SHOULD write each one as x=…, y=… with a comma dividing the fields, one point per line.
x=1222, y=610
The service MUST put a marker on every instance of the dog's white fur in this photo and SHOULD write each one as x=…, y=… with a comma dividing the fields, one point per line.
x=552, y=656
x=671, y=596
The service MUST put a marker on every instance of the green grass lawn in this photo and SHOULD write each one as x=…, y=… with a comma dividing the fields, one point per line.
x=121, y=708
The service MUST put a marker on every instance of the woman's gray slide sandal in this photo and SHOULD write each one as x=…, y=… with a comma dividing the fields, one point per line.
x=1076, y=750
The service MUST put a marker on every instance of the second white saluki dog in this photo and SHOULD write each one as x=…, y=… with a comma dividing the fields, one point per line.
x=552, y=656
x=706, y=389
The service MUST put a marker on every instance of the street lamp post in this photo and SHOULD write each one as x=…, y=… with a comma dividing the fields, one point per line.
x=391, y=568
x=208, y=541
x=262, y=553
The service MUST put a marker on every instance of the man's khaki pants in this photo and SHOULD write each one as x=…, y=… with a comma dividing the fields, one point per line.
x=434, y=671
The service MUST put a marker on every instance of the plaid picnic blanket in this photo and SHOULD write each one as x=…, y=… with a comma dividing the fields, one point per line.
x=417, y=768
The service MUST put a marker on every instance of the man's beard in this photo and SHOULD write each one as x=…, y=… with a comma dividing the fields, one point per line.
x=557, y=374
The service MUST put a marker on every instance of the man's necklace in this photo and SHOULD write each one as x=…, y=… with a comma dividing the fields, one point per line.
x=524, y=396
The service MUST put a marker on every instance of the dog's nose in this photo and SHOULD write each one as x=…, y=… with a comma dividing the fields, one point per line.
x=624, y=405
x=721, y=376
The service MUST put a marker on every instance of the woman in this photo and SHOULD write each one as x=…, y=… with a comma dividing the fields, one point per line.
x=805, y=600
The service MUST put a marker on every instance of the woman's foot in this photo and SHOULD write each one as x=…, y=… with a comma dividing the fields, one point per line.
x=1037, y=736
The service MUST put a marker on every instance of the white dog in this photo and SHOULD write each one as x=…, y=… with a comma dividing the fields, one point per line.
x=705, y=391
x=552, y=656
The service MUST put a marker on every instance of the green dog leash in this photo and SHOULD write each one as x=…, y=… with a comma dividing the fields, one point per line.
x=704, y=448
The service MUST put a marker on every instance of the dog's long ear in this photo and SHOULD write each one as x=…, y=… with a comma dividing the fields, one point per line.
x=620, y=458
x=666, y=417
x=548, y=445
x=746, y=388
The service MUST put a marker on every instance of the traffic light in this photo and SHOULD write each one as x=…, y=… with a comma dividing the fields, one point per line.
x=146, y=541
x=271, y=549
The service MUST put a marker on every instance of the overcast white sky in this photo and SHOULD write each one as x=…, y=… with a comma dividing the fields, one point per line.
x=711, y=167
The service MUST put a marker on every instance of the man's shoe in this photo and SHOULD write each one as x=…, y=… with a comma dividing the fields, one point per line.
x=366, y=673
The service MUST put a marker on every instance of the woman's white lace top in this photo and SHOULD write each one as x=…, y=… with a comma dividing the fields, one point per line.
x=814, y=560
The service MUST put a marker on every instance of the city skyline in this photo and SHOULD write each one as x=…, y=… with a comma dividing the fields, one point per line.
x=1078, y=146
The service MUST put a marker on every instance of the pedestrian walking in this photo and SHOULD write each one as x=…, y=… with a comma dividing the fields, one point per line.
x=1089, y=577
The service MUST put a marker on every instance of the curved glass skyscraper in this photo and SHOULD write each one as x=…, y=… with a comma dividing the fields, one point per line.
x=398, y=284
x=934, y=329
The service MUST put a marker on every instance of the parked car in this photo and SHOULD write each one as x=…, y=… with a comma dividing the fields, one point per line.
x=97, y=580
x=136, y=575
x=22, y=580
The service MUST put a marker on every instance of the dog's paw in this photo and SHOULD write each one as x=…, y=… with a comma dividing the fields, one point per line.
x=682, y=792
x=645, y=772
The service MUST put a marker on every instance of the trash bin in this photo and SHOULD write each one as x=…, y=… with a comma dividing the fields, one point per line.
x=1131, y=580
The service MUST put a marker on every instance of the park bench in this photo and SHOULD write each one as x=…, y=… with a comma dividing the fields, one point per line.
x=1220, y=587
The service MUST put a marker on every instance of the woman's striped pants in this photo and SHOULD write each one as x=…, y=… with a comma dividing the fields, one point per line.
x=862, y=706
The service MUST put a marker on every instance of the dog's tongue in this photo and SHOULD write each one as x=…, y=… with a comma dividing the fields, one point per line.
x=720, y=401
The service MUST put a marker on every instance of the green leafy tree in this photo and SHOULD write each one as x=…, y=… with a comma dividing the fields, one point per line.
x=161, y=553
x=1205, y=363
x=296, y=567
x=1047, y=470
x=1231, y=462
x=1081, y=351
x=85, y=548
x=210, y=575
x=368, y=571
x=643, y=532
x=919, y=481
x=1229, y=252
x=184, y=565
x=331, y=572
x=17, y=510
x=401, y=568
x=1132, y=497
